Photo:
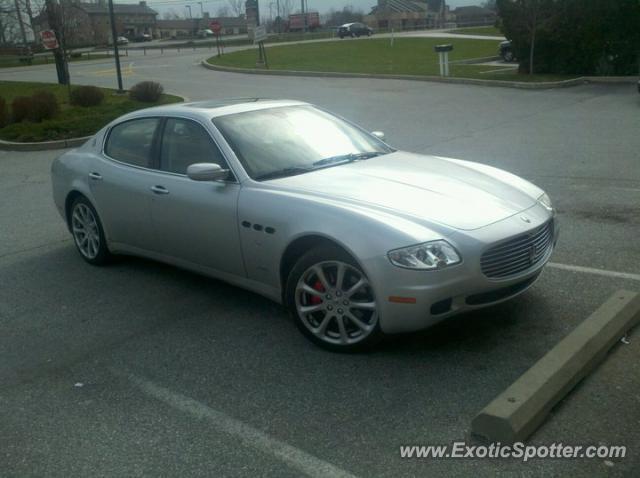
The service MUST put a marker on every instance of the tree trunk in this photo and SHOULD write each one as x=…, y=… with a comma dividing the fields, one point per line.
x=532, y=50
x=532, y=47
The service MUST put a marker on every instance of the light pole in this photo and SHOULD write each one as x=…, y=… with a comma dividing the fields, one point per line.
x=201, y=10
x=189, y=7
x=114, y=37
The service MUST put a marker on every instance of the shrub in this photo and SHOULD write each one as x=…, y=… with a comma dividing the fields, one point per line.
x=87, y=96
x=4, y=113
x=21, y=107
x=44, y=106
x=573, y=36
x=146, y=91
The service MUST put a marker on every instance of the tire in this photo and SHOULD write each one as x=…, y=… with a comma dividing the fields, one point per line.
x=341, y=317
x=88, y=234
x=508, y=57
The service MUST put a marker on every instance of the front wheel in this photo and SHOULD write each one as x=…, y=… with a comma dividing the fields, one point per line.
x=332, y=301
x=87, y=231
x=508, y=56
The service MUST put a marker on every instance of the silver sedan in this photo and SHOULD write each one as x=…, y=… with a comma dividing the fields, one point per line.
x=285, y=199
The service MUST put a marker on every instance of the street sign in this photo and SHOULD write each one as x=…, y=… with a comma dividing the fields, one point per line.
x=259, y=33
x=216, y=27
x=49, y=40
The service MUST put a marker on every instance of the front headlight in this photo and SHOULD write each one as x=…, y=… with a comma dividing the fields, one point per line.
x=545, y=200
x=428, y=256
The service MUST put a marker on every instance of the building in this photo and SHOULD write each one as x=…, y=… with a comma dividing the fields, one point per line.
x=89, y=23
x=408, y=14
x=473, y=16
x=189, y=27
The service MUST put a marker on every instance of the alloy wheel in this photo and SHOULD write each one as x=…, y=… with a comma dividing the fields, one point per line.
x=85, y=231
x=336, y=303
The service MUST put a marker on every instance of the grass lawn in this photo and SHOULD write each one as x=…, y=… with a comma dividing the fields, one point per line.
x=488, y=31
x=71, y=121
x=408, y=56
x=13, y=61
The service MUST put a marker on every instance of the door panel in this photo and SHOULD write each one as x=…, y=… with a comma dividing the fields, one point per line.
x=123, y=201
x=120, y=183
x=196, y=221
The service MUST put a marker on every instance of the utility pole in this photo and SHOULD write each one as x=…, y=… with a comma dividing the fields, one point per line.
x=189, y=7
x=53, y=19
x=20, y=22
x=114, y=39
x=304, y=17
x=201, y=10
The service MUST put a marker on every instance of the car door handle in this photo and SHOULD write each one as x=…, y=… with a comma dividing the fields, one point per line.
x=159, y=190
x=95, y=176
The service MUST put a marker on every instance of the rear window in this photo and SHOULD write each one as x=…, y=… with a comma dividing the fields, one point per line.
x=131, y=142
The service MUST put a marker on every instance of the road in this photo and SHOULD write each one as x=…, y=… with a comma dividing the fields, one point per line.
x=141, y=369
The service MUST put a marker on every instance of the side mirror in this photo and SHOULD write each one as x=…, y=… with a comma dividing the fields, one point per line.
x=378, y=134
x=207, y=172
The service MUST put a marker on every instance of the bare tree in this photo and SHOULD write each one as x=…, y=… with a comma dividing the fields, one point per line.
x=171, y=14
x=528, y=17
x=237, y=7
x=223, y=11
x=76, y=28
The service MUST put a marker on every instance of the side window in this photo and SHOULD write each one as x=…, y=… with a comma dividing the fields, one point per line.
x=184, y=143
x=131, y=142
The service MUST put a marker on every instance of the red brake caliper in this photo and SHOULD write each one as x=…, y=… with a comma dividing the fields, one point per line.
x=315, y=299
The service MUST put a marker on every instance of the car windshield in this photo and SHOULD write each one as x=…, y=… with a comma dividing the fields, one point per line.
x=285, y=141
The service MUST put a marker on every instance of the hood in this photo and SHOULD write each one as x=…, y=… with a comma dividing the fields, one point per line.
x=450, y=192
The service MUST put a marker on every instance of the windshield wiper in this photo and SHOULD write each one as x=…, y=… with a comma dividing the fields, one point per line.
x=283, y=173
x=346, y=158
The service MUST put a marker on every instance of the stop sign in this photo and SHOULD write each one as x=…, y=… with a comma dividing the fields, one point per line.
x=215, y=27
x=49, y=39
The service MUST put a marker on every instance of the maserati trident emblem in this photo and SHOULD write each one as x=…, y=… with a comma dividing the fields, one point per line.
x=525, y=219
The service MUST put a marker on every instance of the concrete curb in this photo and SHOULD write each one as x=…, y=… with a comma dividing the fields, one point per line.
x=43, y=145
x=463, y=81
x=471, y=61
x=518, y=411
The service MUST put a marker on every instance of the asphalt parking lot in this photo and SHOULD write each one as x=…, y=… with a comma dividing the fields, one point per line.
x=142, y=369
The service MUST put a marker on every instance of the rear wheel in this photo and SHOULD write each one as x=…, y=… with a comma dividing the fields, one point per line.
x=332, y=301
x=87, y=231
x=508, y=56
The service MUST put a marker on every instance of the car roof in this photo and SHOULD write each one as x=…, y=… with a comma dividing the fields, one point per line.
x=213, y=108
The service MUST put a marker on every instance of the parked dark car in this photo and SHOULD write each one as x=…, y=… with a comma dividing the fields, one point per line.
x=354, y=30
x=143, y=37
x=506, y=52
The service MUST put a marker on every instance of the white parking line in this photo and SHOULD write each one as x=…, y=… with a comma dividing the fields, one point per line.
x=590, y=270
x=300, y=460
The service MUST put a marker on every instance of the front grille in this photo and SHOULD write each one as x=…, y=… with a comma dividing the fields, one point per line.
x=517, y=254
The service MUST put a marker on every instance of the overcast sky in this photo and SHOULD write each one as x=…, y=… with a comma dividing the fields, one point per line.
x=322, y=6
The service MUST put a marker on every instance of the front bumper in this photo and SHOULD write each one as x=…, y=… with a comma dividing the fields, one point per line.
x=443, y=293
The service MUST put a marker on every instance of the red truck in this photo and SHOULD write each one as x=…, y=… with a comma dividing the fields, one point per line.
x=296, y=21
